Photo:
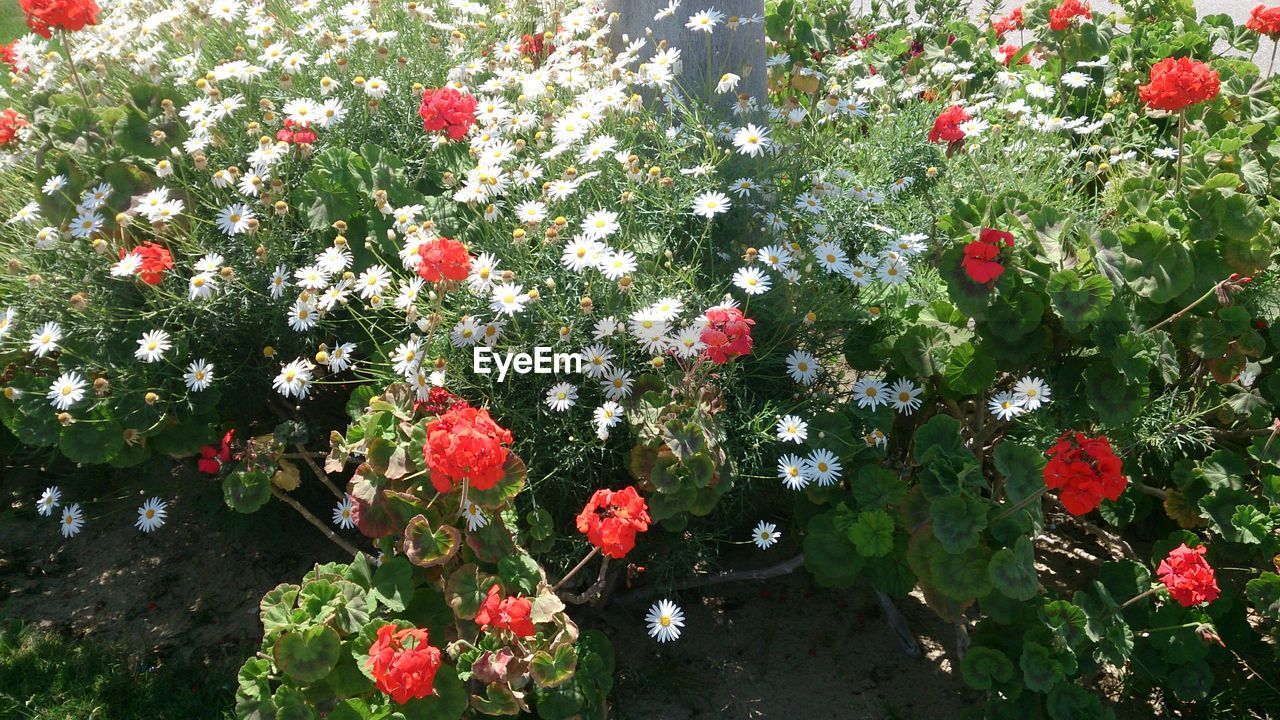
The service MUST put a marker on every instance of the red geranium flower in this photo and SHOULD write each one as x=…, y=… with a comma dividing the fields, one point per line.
x=156, y=259
x=946, y=128
x=443, y=259
x=465, y=444
x=1008, y=23
x=448, y=110
x=212, y=458
x=10, y=122
x=438, y=402
x=9, y=56
x=296, y=133
x=1189, y=578
x=982, y=261
x=509, y=614
x=611, y=520
x=403, y=664
x=1086, y=470
x=1177, y=84
x=1060, y=17
x=1265, y=21
x=727, y=335
x=45, y=16
x=1006, y=53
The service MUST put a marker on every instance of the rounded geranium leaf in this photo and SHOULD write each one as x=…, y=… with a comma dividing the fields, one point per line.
x=552, y=669
x=245, y=491
x=308, y=655
x=958, y=521
x=393, y=584
x=1152, y=264
x=986, y=668
x=1079, y=300
x=872, y=533
x=1013, y=571
x=428, y=546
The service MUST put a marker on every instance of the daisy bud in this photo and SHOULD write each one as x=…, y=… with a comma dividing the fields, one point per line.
x=101, y=386
x=931, y=172
x=625, y=283
x=533, y=294
x=655, y=172
x=151, y=398
x=252, y=128
x=158, y=137
x=586, y=304
x=658, y=362
x=440, y=364
x=627, y=197
x=810, y=318
x=550, y=283
x=508, y=276
x=340, y=241
x=251, y=226
x=666, y=183
x=518, y=235
x=1104, y=167
x=200, y=161
x=358, y=81
x=226, y=272
x=750, y=255
x=35, y=279
x=77, y=301
x=261, y=252
x=64, y=419
x=432, y=295
x=268, y=351
x=201, y=84
x=448, y=179
x=322, y=357
x=375, y=301
x=15, y=266
x=132, y=436
x=11, y=393
x=564, y=332
x=874, y=310
x=282, y=207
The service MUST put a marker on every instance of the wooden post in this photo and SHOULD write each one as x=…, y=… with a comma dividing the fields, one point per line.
x=732, y=46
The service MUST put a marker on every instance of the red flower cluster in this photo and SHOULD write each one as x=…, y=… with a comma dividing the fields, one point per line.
x=1265, y=21
x=296, y=133
x=509, y=614
x=403, y=670
x=727, y=335
x=1008, y=23
x=438, y=402
x=449, y=110
x=1189, y=578
x=443, y=259
x=982, y=262
x=533, y=45
x=156, y=259
x=946, y=128
x=465, y=443
x=1006, y=52
x=1086, y=470
x=45, y=16
x=10, y=122
x=1177, y=84
x=612, y=518
x=9, y=56
x=1060, y=17
x=212, y=458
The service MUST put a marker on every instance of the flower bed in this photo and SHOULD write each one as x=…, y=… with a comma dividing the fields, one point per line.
x=949, y=291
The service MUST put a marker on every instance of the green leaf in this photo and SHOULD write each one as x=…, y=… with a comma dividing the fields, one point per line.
x=1079, y=300
x=1013, y=571
x=961, y=577
x=520, y=573
x=1072, y=702
x=93, y=442
x=308, y=655
x=245, y=492
x=1115, y=399
x=426, y=546
x=552, y=669
x=447, y=703
x=970, y=370
x=986, y=668
x=1041, y=671
x=940, y=435
x=829, y=554
x=277, y=608
x=1153, y=265
x=872, y=533
x=958, y=521
x=393, y=584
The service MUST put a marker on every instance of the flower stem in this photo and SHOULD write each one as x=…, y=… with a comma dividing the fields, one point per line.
x=581, y=564
x=1024, y=502
x=1134, y=600
x=71, y=64
x=1182, y=124
x=1187, y=309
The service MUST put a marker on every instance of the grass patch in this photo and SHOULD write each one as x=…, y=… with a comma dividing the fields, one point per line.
x=12, y=23
x=45, y=677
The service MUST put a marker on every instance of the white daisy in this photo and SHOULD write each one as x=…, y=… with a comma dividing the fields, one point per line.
x=1005, y=406
x=199, y=375
x=751, y=280
x=45, y=340
x=802, y=367
x=152, y=346
x=562, y=396
x=791, y=428
x=870, y=392
x=151, y=515
x=1031, y=392
x=905, y=396
x=66, y=391
x=823, y=466
x=765, y=535
x=665, y=621
x=49, y=500
x=72, y=520
x=342, y=514
x=710, y=204
x=793, y=471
